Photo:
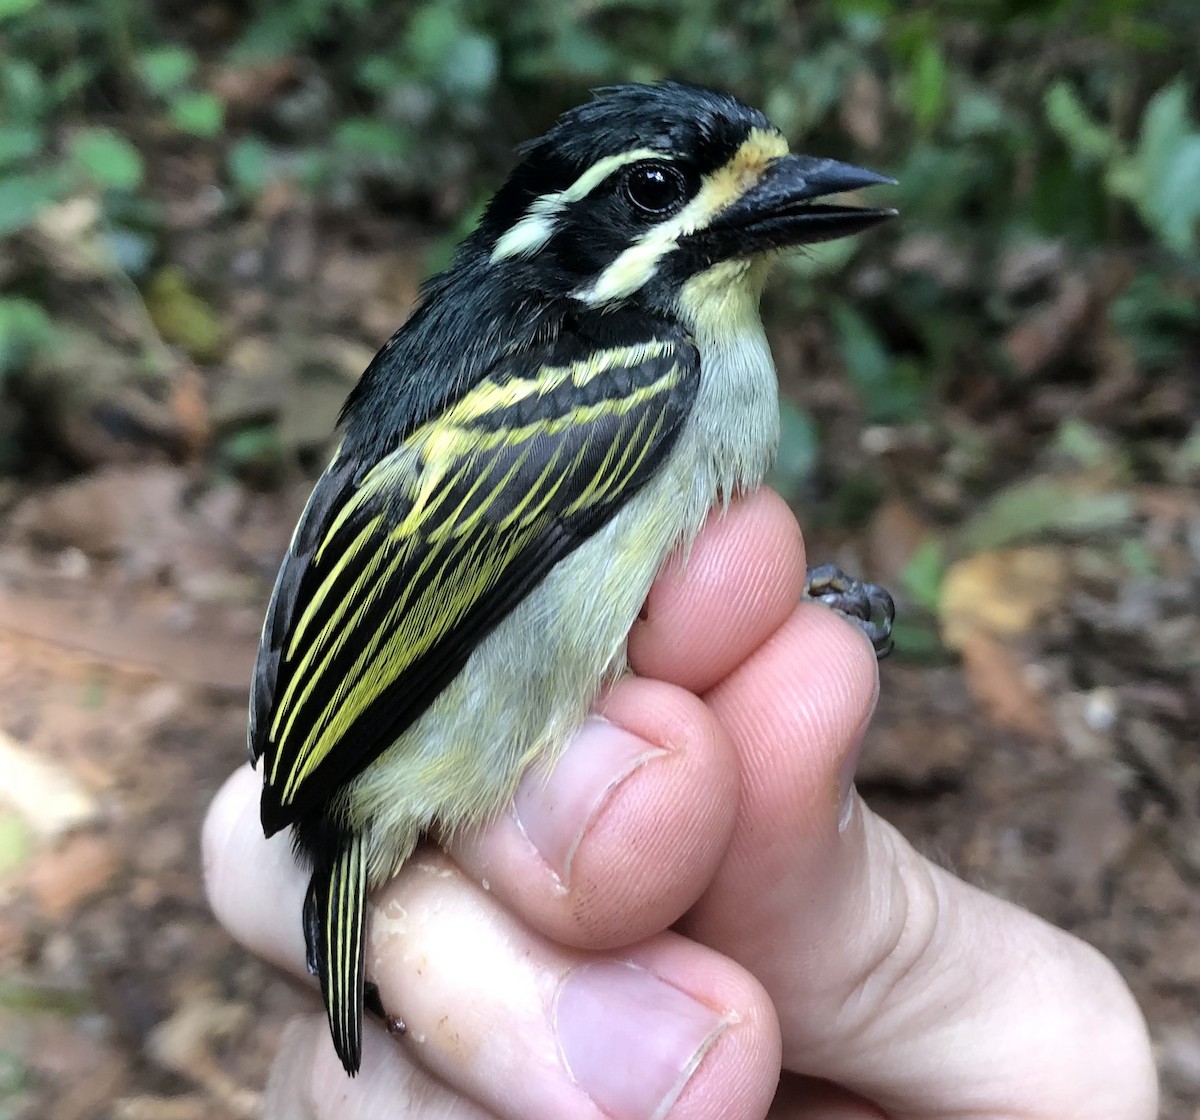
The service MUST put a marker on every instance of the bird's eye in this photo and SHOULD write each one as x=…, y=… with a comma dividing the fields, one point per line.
x=655, y=187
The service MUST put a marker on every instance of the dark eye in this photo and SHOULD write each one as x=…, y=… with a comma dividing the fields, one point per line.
x=655, y=187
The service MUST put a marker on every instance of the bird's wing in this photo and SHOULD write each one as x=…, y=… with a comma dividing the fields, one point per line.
x=396, y=573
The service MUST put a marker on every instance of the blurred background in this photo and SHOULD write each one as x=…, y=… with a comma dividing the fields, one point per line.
x=213, y=213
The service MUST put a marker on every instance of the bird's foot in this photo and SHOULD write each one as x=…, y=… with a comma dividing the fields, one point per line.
x=867, y=605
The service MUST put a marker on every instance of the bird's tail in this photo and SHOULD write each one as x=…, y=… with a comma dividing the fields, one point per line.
x=334, y=912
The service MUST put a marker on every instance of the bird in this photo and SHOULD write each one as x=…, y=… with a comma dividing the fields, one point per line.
x=559, y=414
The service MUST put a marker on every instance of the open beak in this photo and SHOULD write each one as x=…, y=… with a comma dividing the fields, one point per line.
x=779, y=211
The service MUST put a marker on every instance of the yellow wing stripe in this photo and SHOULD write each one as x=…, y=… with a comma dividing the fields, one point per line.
x=343, y=928
x=308, y=679
x=409, y=642
x=450, y=578
x=323, y=593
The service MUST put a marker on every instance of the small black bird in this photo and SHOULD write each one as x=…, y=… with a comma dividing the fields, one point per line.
x=561, y=411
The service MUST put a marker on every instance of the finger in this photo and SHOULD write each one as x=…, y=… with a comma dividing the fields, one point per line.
x=624, y=834
x=890, y=976
x=307, y=1081
x=522, y=1026
x=255, y=886
x=707, y=612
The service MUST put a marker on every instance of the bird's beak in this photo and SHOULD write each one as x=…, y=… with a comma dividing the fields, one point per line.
x=779, y=211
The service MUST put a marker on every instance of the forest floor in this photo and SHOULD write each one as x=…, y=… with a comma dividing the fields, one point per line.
x=1053, y=761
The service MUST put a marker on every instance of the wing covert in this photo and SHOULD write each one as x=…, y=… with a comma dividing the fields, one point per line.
x=397, y=573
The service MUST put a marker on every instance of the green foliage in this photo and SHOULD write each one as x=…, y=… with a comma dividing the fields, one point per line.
x=1003, y=121
x=891, y=390
x=107, y=159
x=1159, y=174
x=164, y=70
x=24, y=329
x=799, y=446
x=923, y=574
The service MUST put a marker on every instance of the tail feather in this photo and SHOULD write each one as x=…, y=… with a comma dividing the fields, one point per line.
x=334, y=913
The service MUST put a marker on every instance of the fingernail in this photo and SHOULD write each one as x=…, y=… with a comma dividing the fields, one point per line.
x=556, y=811
x=631, y=1041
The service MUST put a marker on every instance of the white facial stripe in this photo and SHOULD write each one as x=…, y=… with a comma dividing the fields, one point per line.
x=537, y=224
x=637, y=264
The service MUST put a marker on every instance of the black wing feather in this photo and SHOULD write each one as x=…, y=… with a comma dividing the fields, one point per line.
x=398, y=572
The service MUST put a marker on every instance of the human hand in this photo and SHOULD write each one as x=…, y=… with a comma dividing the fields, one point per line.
x=694, y=900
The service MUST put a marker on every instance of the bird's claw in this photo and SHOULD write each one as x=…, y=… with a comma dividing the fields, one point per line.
x=867, y=605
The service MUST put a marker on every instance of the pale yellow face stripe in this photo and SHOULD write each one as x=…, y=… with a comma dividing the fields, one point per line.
x=536, y=227
x=717, y=192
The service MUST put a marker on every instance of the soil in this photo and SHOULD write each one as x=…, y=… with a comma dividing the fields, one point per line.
x=1051, y=757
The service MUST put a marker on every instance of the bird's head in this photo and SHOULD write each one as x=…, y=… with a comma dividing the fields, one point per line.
x=662, y=195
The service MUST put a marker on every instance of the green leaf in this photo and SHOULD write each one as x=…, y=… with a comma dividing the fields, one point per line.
x=1032, y=509
x=24, y=328
x=1166, y=187
x=18, y=143
x=163, y=69
x=108, y=159
x=891, y=390
x=799, y=447
x=70, y=80
x=23, y=197
x=1165, y=124
x=9, y=9
x=922, y=575
x=249, y=162
x=380, y=72
x=1084, y=444
x=23, y=90
x=864, y=20
x=979, y=113
x=928, y=89
x=256, y=448
x=1087, y=139
x=1158, y=318
x=199, y=113
x=370, y=137
x=1175, y=199
x=471, y=67
x=432, y=33
x=1139, y=559
x=867, y=362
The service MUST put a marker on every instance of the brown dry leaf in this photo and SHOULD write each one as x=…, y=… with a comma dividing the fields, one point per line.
x=64, y=876
x=896, y=531
x=1042, y=336
x=70, y=236
x=144, y=642
x=49, y=799
x=182, y=1044
x=249, y=86
x=1000, y=684
x=131, y=512
x=862, y=109
x=145, y=1107
x=1000, y=593
x=182, y=316
x=190, y=411
x=61, y=1051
